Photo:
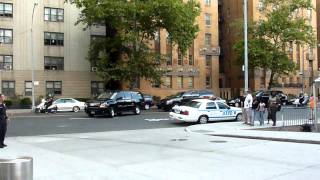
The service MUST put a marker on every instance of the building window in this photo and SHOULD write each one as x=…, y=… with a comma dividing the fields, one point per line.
x=6, y=9
x=180, y=59
x=190, y=82
x=168, y=81
x=169, y=50
x=53, y=39
x=208, y=60
x=54, y=87
x=190, y=59
x=8, y=88
x=5, y=62
x=180, y=82
x=53, y=63
x=53, y=14
x=156, y=85
x=208, y=19
x=208, y=2
x=208, y=82
x=97, y=87
x=207, y=39
x=6, y=36
x=28, y=88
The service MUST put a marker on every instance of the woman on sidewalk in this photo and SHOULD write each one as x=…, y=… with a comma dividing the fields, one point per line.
x=273, y=107
x=261, y=109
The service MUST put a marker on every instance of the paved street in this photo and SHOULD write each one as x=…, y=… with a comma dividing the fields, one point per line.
x=67, y=123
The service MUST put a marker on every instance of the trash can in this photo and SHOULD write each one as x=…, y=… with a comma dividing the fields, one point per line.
x=16, y=169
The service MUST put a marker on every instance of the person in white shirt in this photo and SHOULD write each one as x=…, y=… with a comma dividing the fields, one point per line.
x=248, y=107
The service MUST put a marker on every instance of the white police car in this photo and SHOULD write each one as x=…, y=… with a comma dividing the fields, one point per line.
x=204, y=110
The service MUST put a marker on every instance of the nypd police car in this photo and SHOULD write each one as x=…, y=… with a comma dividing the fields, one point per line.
x=204, y=110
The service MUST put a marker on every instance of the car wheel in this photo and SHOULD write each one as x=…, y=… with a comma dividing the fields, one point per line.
x=146, y=106
x=203, y=120
x=76, y=109
x=111, y=113
x=136, y=110
x=239, y=117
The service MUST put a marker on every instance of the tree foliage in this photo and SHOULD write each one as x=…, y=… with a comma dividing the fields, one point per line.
x=285, y=23
x=126, y=53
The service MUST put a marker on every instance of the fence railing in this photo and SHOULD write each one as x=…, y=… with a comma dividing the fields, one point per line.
x=297, y=116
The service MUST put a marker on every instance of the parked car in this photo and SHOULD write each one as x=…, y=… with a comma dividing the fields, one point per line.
x=63, y=104
x=115, y=102
x=265, y=96
x=182, y=97
x=204, y=110
x=148, y=100
x=236, y=102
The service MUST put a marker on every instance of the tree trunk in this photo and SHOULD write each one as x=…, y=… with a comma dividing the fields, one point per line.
x=271, y=80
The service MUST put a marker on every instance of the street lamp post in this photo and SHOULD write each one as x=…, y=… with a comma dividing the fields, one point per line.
x=245, y=15
x=32, y=58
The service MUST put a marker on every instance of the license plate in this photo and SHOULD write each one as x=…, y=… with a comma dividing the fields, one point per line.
x=92, y=112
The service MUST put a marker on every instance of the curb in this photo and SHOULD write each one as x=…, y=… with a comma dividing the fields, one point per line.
x=256, y=137
x=268, y=138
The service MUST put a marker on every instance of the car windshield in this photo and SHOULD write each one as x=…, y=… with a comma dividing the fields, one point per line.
x=179, y=94
x=194, y=104
x=107, y=95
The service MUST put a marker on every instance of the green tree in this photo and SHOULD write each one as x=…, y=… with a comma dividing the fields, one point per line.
x=285, y=23
x=125, y=53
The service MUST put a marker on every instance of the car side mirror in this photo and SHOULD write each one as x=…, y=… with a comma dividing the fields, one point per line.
x=119, y=98
x=229, y=107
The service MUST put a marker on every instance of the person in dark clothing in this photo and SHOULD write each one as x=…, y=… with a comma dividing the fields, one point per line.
x=273, y=107
x=3, y=121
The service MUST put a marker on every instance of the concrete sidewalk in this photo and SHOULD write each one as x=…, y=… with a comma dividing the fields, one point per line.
x=18, y=111
x=240, y=130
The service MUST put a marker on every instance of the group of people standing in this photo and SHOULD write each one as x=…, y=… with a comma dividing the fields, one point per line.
x=256, y=107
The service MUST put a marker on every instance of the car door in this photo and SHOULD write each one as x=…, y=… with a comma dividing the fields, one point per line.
x=121, y=103
x=60, y=103
x=212, y=111
x=128, y=101
x=69, y=104
x=225, y=112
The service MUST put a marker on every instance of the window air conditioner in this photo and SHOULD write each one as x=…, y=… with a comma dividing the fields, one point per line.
x=94, y=69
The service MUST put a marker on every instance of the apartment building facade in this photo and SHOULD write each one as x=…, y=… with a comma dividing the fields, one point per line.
x=199, y=67
x=305, y=57
x=58, y=49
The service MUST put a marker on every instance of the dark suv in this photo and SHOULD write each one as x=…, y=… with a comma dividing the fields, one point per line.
x=183, y=97
x=116, y=102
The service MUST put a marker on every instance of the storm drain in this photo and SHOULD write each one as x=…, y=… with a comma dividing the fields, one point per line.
x=217, y=141
x=179, y=139
x=202, y=131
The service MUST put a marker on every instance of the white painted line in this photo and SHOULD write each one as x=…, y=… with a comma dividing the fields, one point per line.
x=79, y=118
x=41, y=116
x=156, y=120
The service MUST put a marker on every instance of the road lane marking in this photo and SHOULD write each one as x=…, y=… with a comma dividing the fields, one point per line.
x=79, y=118
x=41, y=116
x=156, y=120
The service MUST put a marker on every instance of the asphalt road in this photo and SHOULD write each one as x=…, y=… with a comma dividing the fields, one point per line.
x=65, y=123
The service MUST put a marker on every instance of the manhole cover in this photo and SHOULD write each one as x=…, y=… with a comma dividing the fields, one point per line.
x=203, y=131
x=179, y=139
x=217, y=141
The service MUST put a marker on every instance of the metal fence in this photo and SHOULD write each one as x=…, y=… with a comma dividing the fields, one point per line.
x=297, y=116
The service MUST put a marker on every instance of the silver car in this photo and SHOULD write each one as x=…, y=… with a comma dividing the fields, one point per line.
x=67, y=104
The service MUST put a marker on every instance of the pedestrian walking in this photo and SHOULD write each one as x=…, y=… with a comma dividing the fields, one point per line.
x=261, y=109
x=248, y=107
x=3, y=121
x=244, y=114
x=273, y=107
x=255, y=104
x=311, y=107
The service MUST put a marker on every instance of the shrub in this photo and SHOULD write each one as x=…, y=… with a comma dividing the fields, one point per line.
x=25, y=102
x=8, y=103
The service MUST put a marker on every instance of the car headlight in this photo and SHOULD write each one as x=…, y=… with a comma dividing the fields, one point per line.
x=103, y=105
x=169, y=102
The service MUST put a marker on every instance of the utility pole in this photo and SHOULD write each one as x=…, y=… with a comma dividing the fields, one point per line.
x=32, y=58
x=245, y=15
